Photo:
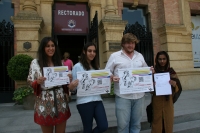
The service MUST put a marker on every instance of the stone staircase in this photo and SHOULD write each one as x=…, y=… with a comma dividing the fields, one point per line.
x=186, y=114
x=14, y=119
x=185, y=123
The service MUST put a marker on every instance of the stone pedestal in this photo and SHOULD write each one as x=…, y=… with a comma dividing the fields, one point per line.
x=28, y=25
x=28, y=102
x=111, y=33
x=20, y=83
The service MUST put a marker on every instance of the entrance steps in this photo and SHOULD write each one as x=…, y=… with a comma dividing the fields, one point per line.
x=14, y=119
x=188, y=123
x=186, y=114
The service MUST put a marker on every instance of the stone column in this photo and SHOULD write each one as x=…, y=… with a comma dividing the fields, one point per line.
x=110, y=11
x=95, y=5
x=27, y=24
x=46, y=14
x=111, y=31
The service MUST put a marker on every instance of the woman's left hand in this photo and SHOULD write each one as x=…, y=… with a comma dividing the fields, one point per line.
x=70, y=77
x=173, y=83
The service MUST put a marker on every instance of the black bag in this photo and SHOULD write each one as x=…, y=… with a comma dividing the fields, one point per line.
x=149, y=111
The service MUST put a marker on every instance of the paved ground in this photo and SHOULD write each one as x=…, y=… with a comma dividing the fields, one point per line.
x=14, y=119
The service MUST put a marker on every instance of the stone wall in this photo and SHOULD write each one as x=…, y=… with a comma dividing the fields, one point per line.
x=169, y=21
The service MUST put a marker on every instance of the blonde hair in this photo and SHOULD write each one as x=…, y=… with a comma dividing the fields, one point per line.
x=129, y=37
x=66, y=56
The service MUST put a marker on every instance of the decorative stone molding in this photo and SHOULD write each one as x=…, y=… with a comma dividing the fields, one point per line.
x=29, y=5
x=47, y=1
x=189, y=71
x=94, y=3
x=110, y=9
x=173, y=29
x=135, y=3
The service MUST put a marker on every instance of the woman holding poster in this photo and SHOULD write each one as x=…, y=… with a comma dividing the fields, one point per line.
x=89, y=107
x=51, y=105
x=163, y=109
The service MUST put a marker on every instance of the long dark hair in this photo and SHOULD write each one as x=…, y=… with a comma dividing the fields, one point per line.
x=157, y=66
x=42, y=56
x=83, y=59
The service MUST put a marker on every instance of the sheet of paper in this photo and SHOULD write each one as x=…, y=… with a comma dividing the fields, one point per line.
x=135, y=80
x=56, y=76
x=162, y=84
x=93, y=82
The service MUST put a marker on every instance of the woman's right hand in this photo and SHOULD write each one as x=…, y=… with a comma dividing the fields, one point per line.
x=73, y=84
x=41, y=80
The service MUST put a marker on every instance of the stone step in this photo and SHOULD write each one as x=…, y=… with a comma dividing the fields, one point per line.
x=145, y=126
x=191, y=116
x=185, y=127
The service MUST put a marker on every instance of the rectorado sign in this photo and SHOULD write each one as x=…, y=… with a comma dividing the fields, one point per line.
x=70, y=18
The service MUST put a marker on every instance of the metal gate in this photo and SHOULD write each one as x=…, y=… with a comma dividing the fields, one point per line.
x=93, y=33
x=6, y=52
x=145, y=46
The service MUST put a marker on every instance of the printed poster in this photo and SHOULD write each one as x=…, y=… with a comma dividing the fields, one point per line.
x=135, y=80
x=93, y=82
x=56, y=76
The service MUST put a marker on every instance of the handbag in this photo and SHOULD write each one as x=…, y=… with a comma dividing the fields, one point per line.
x=149, y=111
x=177, y=94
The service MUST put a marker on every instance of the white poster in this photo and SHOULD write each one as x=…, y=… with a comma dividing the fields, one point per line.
x=196, y=40
x=93, y=82
x=135, y=80
x=56, y=76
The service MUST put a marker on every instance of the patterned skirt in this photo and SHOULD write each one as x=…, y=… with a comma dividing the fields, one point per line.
x=51, y=108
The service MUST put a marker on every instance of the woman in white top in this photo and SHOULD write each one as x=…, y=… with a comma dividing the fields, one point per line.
x=89, y=107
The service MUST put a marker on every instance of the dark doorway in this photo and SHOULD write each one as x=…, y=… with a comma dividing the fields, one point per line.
x=6, y=52
x=73, y=44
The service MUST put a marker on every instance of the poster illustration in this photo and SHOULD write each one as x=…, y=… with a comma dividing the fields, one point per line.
x=56, y=76
x=93, y=82
x=135, y=80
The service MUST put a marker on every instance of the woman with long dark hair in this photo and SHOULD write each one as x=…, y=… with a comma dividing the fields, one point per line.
x=51, y=105
x=163, y=109
x=89, y=107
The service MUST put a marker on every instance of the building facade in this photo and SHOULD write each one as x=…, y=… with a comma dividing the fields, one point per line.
x=169, y=23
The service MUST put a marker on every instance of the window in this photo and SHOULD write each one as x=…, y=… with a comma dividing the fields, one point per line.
x=134, y=15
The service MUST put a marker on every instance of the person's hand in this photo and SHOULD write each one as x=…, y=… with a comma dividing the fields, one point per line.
x=111, y=78
x=73, y=84
x=173, y=83
x=70, y=77
x=41, y=80
x=115, y=79
x=152, y=69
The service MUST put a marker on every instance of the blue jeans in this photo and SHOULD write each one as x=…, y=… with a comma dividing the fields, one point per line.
x=129, y=114
x=91, y=110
